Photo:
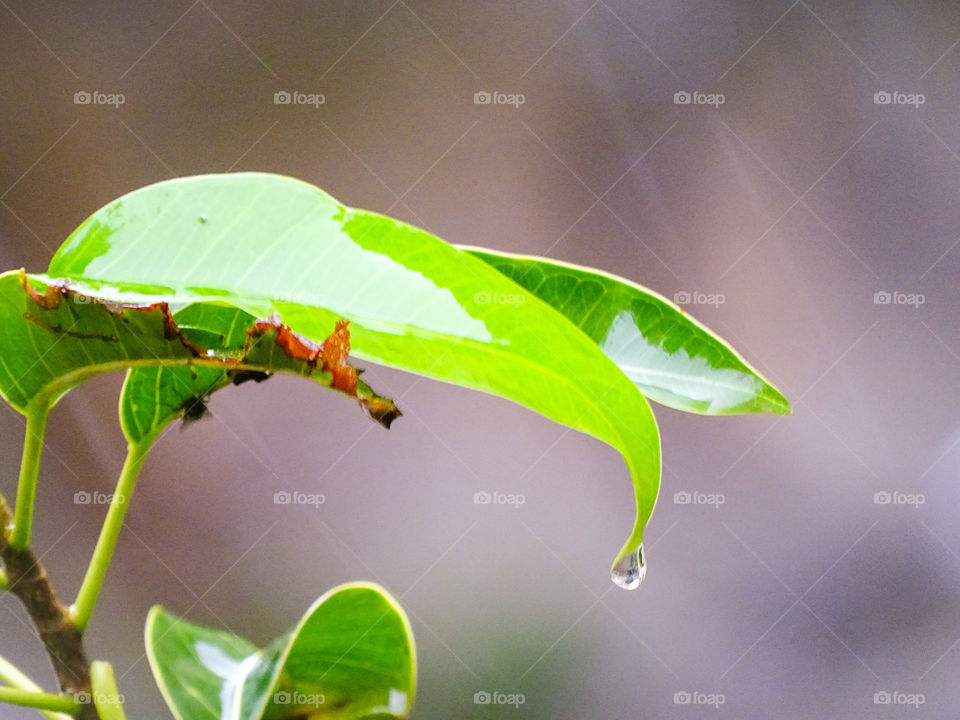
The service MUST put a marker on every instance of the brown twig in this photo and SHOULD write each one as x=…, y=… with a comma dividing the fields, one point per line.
x=63, y=640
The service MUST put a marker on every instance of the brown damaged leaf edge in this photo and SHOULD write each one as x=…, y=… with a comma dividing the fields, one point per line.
x=58, y=291
x=333, y=351
x=330, y=355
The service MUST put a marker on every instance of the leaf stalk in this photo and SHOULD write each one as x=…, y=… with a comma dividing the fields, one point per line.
x=82, y=609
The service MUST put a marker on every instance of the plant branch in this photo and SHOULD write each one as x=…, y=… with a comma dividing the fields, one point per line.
x=60, y=628
x=29, y=467
x=60, y=636
x=82, y=609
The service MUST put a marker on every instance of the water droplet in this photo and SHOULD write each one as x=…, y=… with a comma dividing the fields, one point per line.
x=629, y=572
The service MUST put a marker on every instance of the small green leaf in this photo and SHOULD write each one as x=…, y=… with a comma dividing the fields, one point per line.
x=351, y=656
x=195, y=667
x=55, y=337
x=671, y=357
x=154, y=396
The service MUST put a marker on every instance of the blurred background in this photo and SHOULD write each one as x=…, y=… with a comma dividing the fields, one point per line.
x=794, y=168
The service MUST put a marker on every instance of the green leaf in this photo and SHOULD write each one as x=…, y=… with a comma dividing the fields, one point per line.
x=152, y=397
x=350, y=656
x=55, y=337
x=671, y=357
x=269, y=244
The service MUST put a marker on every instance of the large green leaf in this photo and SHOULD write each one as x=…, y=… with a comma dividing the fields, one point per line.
x=350, y=656
x=269, y=244
x=671, y=357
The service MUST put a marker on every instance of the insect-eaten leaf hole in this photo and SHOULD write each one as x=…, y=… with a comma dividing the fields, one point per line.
x=239, y=377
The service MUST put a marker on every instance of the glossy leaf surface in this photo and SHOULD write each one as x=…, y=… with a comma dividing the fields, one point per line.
x=351, y=656
x=269, y=244
x=671, y=357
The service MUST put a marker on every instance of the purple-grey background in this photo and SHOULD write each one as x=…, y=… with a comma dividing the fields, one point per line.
x=796, y=199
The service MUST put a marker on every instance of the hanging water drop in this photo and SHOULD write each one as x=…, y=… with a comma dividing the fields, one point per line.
x=628, y=573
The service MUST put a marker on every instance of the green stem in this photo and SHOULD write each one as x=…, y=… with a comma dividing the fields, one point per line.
x=29, y=467
x=107, y=697
x=82, y=609
x=39, y=700
x=13, y=676
x=4, y=582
